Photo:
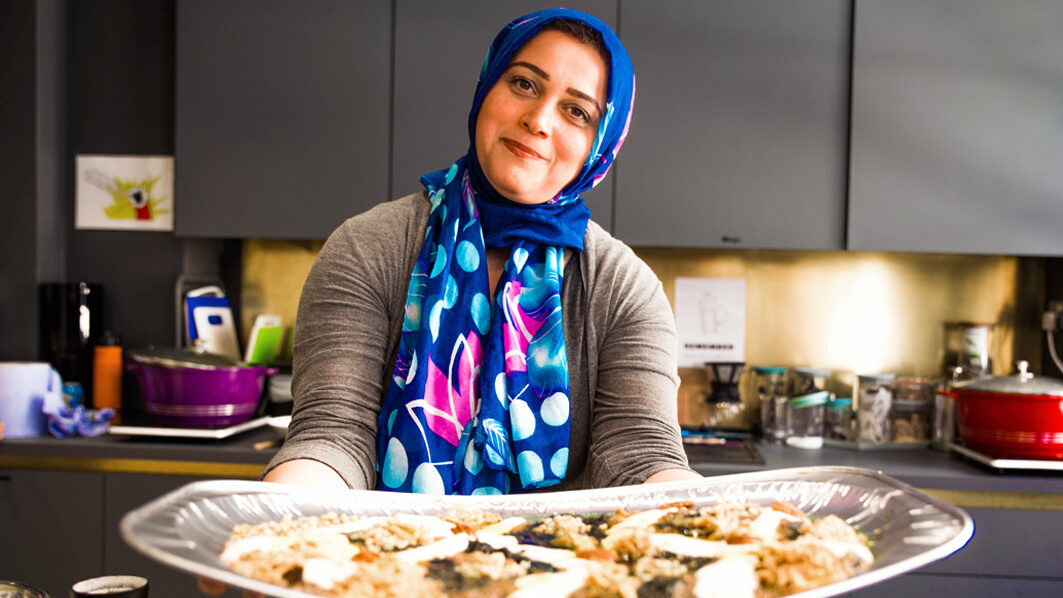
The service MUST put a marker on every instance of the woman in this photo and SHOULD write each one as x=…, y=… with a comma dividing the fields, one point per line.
x=483, y=336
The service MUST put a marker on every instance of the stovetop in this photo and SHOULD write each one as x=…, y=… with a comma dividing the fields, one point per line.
x=1006, y=463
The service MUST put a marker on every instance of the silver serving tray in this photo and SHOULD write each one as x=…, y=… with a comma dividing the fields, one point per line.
x=188, y=527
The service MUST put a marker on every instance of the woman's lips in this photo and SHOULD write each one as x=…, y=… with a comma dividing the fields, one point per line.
x=521, y=150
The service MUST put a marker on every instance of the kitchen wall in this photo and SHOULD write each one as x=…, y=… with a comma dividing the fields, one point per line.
x=846, y=311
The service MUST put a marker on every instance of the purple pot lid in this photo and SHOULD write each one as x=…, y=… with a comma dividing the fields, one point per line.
x=181, y=358
x=1021, y=383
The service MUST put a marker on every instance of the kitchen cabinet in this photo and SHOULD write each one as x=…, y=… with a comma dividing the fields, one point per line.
x=439, y=49
x=956, y=126
x=282, y=116
x=739, y=135
x=123, y=493
x=50, y=524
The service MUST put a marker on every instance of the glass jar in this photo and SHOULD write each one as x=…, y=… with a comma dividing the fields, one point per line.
x=838, y=419
x=809, y=380
x=874, y=396
x=912, y=411
x=770, y=382
x=806, y=420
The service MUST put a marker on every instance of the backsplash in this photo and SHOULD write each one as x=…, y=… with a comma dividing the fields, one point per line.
x=866, y=312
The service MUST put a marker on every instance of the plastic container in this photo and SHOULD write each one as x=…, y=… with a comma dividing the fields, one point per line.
x=874, y=397
x=806, y=420
x=774, y=417
x=809, y=380
x=838, y=419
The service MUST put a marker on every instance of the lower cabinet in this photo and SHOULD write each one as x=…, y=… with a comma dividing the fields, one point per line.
x=60, y=527
x=124, y=492
x=49, y=528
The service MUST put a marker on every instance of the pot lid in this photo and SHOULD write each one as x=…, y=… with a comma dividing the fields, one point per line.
x=1021, y=383
x=181, y=358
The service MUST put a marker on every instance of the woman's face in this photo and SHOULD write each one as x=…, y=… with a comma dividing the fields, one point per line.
x=537, y=122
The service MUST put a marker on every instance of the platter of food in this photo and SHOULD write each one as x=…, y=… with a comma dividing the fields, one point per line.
x=809, y=532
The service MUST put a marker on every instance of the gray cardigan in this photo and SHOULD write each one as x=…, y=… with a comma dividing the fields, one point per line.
x=619, y=334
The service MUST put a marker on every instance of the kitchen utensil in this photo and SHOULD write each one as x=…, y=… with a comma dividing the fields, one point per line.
x=25, y=389
x=197, y=390
x=1019, y=416
x=115, y=586
x=265, y=339
x=188, y=528
x=210, y=321
x=16, y=589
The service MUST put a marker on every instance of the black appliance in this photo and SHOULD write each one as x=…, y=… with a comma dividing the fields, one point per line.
x=70, y=318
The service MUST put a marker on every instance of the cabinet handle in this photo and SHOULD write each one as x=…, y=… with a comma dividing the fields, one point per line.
x=4, y=477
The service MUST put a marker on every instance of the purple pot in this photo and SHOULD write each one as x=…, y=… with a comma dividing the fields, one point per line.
x=189, y=397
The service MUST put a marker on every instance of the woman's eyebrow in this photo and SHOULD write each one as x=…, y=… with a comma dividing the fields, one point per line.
x=572, y=91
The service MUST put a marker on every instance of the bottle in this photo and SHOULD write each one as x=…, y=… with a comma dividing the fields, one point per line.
x=107, y=374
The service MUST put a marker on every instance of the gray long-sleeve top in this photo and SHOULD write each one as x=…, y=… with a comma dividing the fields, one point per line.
x=619, y=335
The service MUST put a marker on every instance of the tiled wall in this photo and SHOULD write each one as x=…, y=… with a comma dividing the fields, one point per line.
x=844, y=311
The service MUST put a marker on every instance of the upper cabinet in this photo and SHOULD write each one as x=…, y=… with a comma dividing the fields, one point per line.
x=739, y=135
x=439, y=49
x=957, y=134
x=282, y=115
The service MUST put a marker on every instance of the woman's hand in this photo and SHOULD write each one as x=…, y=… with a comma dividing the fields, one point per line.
x=303, y=472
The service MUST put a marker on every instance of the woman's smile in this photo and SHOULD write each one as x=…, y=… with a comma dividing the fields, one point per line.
x=520, y=150
x=537, y=123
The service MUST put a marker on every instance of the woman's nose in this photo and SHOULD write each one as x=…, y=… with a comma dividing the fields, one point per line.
x=537, y=118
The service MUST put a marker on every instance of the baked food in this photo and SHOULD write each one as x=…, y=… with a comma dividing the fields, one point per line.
x=678, y=550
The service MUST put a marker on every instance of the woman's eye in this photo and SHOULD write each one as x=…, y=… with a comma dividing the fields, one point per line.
x=580, y=113
x=522, y=83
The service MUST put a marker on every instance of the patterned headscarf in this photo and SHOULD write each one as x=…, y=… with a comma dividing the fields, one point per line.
x=479, y=399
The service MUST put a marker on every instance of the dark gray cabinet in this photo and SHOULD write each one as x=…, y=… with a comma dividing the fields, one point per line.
x=957, y=126
x=50, y=527
x=439, y=49
x=124, y=493
x=739, y=135
x=282, y=115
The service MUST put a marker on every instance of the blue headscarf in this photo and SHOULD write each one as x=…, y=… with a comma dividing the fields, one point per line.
x=479, y=399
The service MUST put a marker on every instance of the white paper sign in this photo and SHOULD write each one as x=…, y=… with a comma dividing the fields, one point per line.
x=710, y=315
x=124, y=192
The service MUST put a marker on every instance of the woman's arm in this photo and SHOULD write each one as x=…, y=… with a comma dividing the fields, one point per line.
x=305, y=472
x=349, y=315
x=635, y=434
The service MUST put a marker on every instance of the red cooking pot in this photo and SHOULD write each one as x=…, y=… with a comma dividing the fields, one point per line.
x=1019, y=416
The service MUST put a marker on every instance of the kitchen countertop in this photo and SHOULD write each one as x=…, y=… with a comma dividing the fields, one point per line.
x=948, y=476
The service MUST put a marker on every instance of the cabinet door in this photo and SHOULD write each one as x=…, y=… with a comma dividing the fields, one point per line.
x=439, y=49
x=957, y=126
x=281, y=116
x=50, y=528
x=125, y=493
x=739, y=135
